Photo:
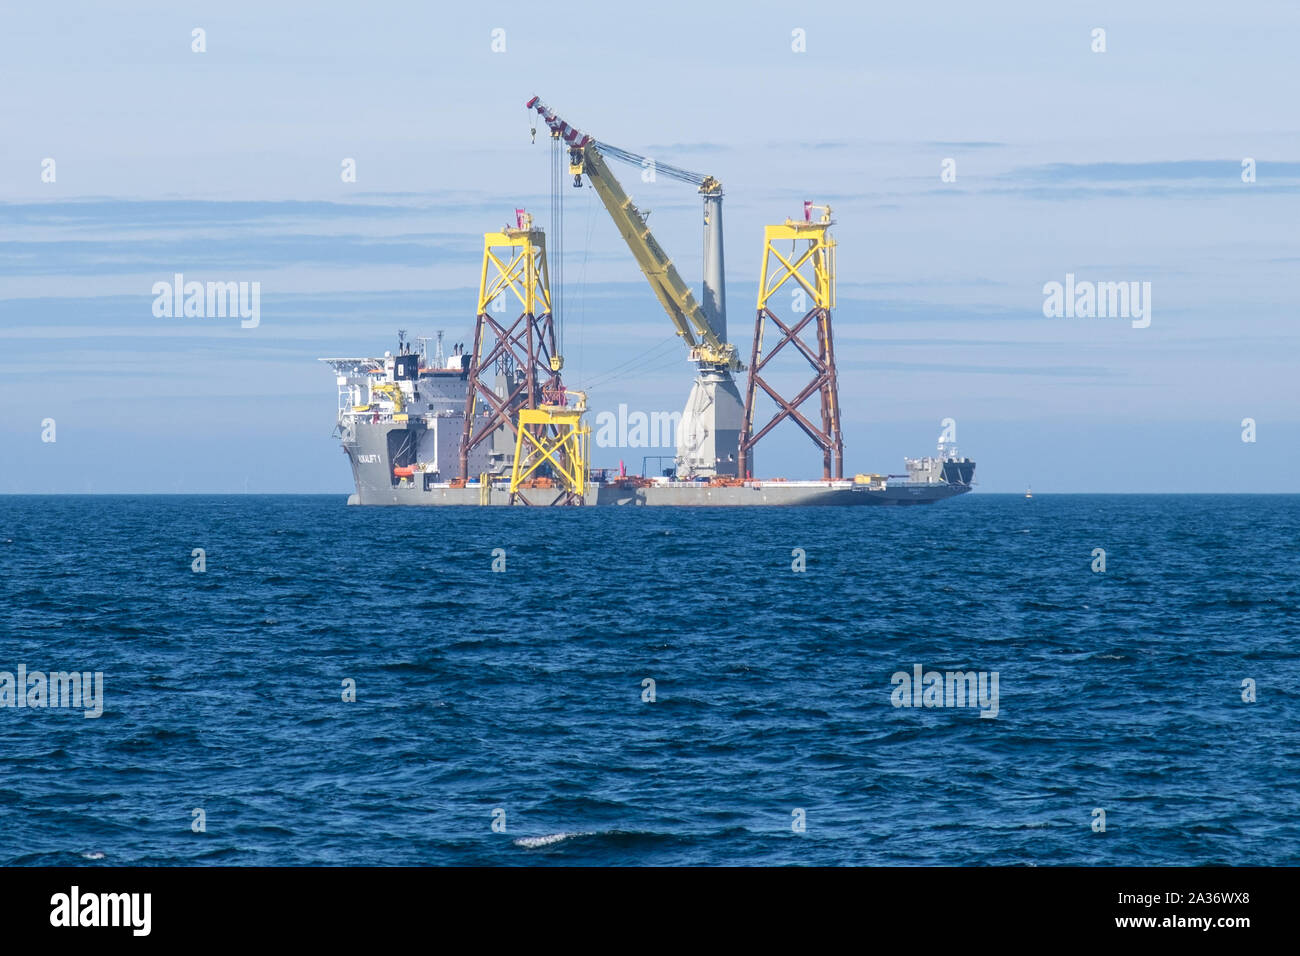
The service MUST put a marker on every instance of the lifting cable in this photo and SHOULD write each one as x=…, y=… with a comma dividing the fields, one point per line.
x=582, y=282
x=616, y=371
x=558, y=169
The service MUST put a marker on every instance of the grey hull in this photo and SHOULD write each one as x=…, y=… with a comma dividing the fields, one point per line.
x=374, y=449
x=682, y=495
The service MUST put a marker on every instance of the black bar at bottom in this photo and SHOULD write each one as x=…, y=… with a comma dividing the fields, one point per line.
x=335, y=905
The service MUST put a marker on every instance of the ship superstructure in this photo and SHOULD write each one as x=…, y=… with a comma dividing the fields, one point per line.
x=401, y=419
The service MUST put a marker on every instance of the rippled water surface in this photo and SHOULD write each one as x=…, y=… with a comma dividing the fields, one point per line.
x=522, y=691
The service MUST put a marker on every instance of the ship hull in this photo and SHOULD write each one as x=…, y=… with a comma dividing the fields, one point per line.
x=412, y=462
x=675, y=494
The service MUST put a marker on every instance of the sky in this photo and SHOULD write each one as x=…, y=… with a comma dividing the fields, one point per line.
x=225, y=165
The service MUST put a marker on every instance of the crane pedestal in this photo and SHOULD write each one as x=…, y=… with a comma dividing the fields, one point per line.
x=708, y=439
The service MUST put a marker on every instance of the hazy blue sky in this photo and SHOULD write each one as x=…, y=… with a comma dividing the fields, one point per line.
x=224, y=165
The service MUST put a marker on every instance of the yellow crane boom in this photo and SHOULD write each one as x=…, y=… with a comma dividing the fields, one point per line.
x=676, y=297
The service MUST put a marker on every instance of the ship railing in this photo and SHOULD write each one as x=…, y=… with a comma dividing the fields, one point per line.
x=367, y=416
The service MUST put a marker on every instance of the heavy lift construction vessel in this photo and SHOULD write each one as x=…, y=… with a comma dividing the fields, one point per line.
x=495, y=425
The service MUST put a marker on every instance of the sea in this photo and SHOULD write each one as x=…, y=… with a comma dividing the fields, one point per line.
x=286, y=680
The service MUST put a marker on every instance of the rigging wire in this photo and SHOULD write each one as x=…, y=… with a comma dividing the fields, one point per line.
x=636, y=159
x=586, y=250
x=557, y=241
x=616, y=371
x=561, y=168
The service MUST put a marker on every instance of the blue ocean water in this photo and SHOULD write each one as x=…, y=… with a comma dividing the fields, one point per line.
x=517, y=696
